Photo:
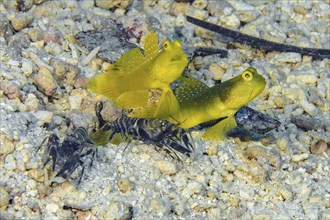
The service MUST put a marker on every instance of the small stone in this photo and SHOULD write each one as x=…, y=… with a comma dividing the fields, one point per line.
x=285, y=193
x=215, y=213
x=219, y=8
x=282, y=144
x=212, y=150
x=10, y=163
x=35, y=34
x=308, y=107
x=7, y=146
x=273, y=157
x=300, y=10
x=21, y=166
x=166, y=167
x=36, y=174
x=21, y=20
x=178, y=9
x=297, y=158
x=124, y=185
x=38, y=44
x=319, y=147
x=250, y=29
x=81, y=82
x=57, y=120
x=81, y=119
x=36, y=59
x=112, y=211
x=119, y=12
x=44, y=116
x=303, y=122
x=197, y=13
x=193, y=187
x=91, y=56
x=108, y=4
x=32, y=163
x=288, y=58
x=246, y=15
x=52, y=37
x=159, y=207
x=200, y=4
x=231, y=21
x=4, y=198
x=217, y=71
x=31, y=184
x=63, y=71
x=24, y=5
x=52, y=207
x=10, y=90
x=31, y=102
x=75, y=102
x=53, y=48
x=45, y=81
x=22, y=108
x=27, y=67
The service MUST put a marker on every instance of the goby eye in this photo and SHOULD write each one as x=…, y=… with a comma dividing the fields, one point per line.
x=247, y=75
x=165, y=44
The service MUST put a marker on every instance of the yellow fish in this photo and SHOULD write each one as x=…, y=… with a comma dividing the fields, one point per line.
x=200, y=103
x=128, y=81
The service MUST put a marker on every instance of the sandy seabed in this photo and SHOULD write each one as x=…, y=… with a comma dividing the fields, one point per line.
x=43, y=72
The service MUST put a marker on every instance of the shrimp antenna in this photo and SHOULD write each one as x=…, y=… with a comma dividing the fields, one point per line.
x=178, y=122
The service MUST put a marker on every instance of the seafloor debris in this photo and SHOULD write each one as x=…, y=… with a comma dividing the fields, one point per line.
x=69, y=154
x=205, y=51
x=319, y=147
x=160, y=133
x=112, y=43
x=260, y=43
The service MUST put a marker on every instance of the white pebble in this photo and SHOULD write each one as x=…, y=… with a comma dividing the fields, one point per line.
x=166, y=167
x=90, y=56
x=44, y=116
x=231, y=21
x=200, y=4
x=308, y=107
x=197, y=13
x=52, y=207
x=10, y=166
x=31, y=102
x=27, y=67
x=31, y=184
x=75, y=102
x=34, y=57
x=192, y=188
x=301, y=157
x=288, y=58
x=7, y=146
x=21, y=165
x=4, y=197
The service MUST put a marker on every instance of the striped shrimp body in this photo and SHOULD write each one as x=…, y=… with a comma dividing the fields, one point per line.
x=153, y=131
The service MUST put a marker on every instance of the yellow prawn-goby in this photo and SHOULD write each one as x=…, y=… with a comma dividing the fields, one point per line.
x=200, y=103
x=128, y=81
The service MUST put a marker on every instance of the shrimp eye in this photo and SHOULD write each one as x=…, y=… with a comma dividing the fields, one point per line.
x=247, y=75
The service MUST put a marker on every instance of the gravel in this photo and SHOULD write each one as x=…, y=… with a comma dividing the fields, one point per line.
x=43, y=72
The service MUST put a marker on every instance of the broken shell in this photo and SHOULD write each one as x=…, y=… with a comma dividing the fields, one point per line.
x=319, y=147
